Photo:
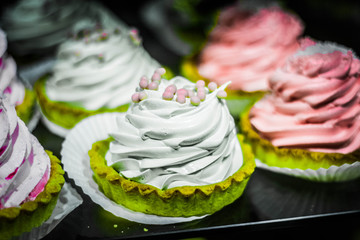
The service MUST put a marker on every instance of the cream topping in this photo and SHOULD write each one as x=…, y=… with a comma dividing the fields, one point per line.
x=315, y=101
x=10, y=85
x=245, y=48
x=100, y=69
x=168, y=144
x=24, y=165
x=34, y=26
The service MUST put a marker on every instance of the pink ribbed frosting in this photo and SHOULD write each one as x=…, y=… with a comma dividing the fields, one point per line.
x=24, y=165
x=315, y=101
x=246, y=48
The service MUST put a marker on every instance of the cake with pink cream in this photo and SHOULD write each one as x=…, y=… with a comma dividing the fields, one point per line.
x=30, y=177
x=246, y=47
x=11, y=87
x=311, y=118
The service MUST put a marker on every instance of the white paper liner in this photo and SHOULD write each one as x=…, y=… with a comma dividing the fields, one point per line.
x=345, y=172
x=77, y=164
x=52, y=127
x=68, y=200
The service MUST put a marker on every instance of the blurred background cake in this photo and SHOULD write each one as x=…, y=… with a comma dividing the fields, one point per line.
x=311, y=118
x=248, y=43
x=95, y=71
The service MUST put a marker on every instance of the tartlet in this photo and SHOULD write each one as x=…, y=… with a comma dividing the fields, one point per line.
x=149, y=165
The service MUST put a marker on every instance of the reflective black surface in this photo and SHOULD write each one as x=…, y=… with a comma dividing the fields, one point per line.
x=270, y=201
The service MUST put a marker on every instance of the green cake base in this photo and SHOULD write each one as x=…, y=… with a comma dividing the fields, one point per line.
x=65, y=114
x=27, y=107
x=290, y=157
x=17, y=220
x=174, y=202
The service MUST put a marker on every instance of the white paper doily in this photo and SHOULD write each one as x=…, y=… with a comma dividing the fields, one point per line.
x=68, y=200
x=77, y=164
x=343, y=173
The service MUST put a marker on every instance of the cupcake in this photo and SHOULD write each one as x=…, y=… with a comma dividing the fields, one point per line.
x=30, y=177
x=310, y=121
x=21, y=97
x=36, y=27
x=175, y=153
x=245, y=47
x=95, y=72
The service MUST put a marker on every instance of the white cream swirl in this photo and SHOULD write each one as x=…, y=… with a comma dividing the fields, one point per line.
x=36, y=26
x=167, y=144
x=94, y=73
x=24, y=165
x=10, y=85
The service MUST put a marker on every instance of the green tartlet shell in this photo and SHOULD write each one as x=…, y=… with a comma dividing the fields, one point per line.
x=26, y=108
x=290, y=157
x=183, y=201
x=16, y=220
x=64, y=114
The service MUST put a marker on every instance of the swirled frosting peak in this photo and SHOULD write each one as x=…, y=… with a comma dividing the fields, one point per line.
x=99, y=68
x=246, y=47
x=10, y=85
x=39, y=26
x=166, y=142
x=24, y=165
x=315, y=101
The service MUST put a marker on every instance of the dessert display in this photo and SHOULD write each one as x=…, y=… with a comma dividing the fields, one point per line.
x=18, y=95
x=37, y=27
x=175, y=153
x=311, y=118
x=245, y=47
x=96, y=70
x=30, y=177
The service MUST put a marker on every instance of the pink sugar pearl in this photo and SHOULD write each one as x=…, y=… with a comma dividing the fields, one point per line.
x=171, y=88
x=181, y=98
x=201, y=95
x=182, y=91
x=200, y=83
x=212, y=86
x=153, y=86
x=161, y=71
x=142, y=95
x=221, y=94
x=143, y=82
x=156, y=77
x=167, y=95
x=195, y=100
x=135, y=97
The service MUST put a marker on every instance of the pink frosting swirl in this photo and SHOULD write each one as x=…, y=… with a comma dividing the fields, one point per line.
x=24, y=165
x=315, y=101
x=246, y=48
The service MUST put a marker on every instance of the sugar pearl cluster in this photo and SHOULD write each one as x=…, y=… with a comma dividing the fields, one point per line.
x=171, y=92
x=88, y=36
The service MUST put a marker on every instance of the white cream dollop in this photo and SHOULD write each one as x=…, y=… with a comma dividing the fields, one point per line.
x=99, y=73
x=168, y=144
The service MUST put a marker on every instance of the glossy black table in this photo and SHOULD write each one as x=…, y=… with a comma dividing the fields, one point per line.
x=271, y=202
